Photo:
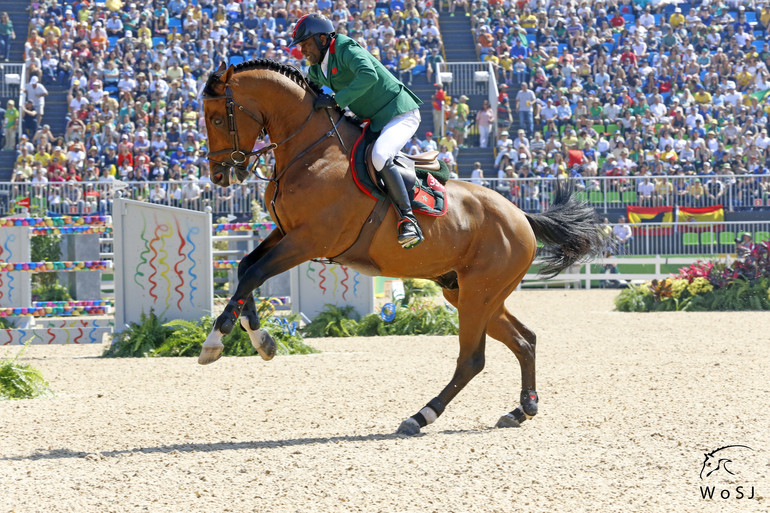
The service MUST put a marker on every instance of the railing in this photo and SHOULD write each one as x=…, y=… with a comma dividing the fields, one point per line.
x=78, y=198
x=470, y=78
x=610, y=193
x=11, y=80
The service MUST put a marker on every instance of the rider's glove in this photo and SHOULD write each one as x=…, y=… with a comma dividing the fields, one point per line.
x=324, y=101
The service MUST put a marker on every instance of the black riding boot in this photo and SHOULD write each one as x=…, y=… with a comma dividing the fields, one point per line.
x=409, y=233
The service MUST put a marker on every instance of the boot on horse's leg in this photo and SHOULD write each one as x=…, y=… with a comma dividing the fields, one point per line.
x=213, y=346
x=260, y=339
x=409, y=232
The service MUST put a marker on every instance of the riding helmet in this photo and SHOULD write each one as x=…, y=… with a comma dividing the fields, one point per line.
x=310, y=25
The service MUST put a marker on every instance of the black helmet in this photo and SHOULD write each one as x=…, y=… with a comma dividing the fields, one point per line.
x=310, y=25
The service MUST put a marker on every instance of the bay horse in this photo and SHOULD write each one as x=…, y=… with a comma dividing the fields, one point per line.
x=478, y=252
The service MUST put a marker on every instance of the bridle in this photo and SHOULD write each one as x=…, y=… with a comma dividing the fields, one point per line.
x=238, y=157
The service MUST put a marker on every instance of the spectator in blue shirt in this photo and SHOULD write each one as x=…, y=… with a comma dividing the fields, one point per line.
x=517, y=50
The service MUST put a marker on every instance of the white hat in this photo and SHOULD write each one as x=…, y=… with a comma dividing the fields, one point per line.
x=33, y=80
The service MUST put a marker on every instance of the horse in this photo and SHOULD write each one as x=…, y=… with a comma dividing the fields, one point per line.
x=478, y=252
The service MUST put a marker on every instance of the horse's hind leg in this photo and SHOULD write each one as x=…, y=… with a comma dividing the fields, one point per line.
x=521, y=340
x=469, y=363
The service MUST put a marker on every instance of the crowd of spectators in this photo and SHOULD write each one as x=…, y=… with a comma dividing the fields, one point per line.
x=633, y=87
x=134, y=70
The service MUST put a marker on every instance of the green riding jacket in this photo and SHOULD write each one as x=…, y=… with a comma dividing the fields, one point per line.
x=361, y=83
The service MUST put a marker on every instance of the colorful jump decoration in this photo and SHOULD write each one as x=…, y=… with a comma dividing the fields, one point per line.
x=61, y=221
x=53, y=267
x=241, y=227
x=56, y=311
x=226, y=264
x=70, y=230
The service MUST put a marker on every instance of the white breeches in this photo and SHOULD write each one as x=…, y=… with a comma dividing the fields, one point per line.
x=394, y=136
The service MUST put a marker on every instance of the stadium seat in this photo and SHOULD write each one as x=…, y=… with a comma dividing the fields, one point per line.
x=608, y=47
x=599, y=129
x=113, y=40
x=612, y=197
x=532, y=38
x=761, y=237
x=629, y=197
x=727, y=238
x=174, y=23
x=157, y=40
x=596, y=197
x=611, y=129
x=690, y=239
x=758, y=45
x=708, y=238
x=234, y=59
x=751, y=18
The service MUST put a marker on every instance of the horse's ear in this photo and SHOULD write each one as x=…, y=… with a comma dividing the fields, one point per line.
x=226, y=77
x=221, y=69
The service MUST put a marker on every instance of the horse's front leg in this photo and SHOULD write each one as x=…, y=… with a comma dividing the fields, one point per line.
x=261, y=340
x=266, y=261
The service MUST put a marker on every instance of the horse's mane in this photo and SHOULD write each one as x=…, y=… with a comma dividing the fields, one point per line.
x=286, y=70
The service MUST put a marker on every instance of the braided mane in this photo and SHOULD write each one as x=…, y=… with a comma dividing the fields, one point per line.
x=284, y=69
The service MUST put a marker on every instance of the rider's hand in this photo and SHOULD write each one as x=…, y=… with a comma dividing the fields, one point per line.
x=324, y=101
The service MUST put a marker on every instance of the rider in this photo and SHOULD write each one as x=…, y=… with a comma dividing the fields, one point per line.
x=361, y=83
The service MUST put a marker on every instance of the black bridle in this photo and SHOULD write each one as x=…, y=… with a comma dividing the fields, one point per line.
x=238, y=157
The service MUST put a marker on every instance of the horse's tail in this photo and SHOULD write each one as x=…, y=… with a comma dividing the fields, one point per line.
x=569, y=230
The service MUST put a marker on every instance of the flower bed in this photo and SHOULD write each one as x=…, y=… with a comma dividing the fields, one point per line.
x=706, y=286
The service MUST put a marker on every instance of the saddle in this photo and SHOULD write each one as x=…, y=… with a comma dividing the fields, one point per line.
x=424, y=176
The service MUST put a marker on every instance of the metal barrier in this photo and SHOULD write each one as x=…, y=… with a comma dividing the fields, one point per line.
x=471, y=78
x=611, y=193
x=83, y=198
x=11, y=76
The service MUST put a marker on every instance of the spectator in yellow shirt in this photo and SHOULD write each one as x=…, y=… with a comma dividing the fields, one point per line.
x=677, y=18
x=528, y=20
x=702, y=96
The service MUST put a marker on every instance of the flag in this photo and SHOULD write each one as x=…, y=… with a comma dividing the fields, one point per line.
x=23, y=202
x=646, y=219
x=641, y=215
x=713, y=214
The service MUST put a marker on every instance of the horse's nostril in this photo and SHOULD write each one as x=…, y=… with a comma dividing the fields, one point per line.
x=218, y=177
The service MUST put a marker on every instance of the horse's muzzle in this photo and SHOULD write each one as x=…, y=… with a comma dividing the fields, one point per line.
x=225, y=175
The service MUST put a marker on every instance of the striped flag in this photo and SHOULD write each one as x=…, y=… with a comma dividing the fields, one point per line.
x=713, y=214
x=641, y=215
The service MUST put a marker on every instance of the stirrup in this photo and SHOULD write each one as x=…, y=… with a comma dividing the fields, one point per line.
x=406, y=237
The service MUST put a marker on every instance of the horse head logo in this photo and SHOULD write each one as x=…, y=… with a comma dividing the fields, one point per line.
x=716, y=460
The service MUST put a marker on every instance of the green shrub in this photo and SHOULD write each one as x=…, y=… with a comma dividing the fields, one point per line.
x=417, y=288
x=333, y=321
x=51, y=292
x=421, y=317
x=140, y=339
x=21, y=380
x=154, y=337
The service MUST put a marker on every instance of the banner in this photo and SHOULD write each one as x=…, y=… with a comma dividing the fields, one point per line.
x=652, y=216
x=640, y=215
x=713, y=214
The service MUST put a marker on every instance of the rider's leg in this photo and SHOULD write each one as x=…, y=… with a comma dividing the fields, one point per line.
x=393, y=137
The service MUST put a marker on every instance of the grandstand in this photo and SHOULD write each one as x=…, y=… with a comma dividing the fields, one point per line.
x=616, y=91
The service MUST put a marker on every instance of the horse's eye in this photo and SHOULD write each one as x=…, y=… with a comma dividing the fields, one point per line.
x=217, y=121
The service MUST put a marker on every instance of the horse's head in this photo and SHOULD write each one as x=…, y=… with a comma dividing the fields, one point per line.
x=232, y=130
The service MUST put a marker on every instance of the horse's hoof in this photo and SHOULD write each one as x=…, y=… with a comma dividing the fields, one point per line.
x=409, y=427
x=212, y=348
x=507, y=421
x=261, y=340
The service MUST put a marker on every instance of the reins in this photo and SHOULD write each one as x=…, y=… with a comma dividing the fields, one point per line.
x=238, y=157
